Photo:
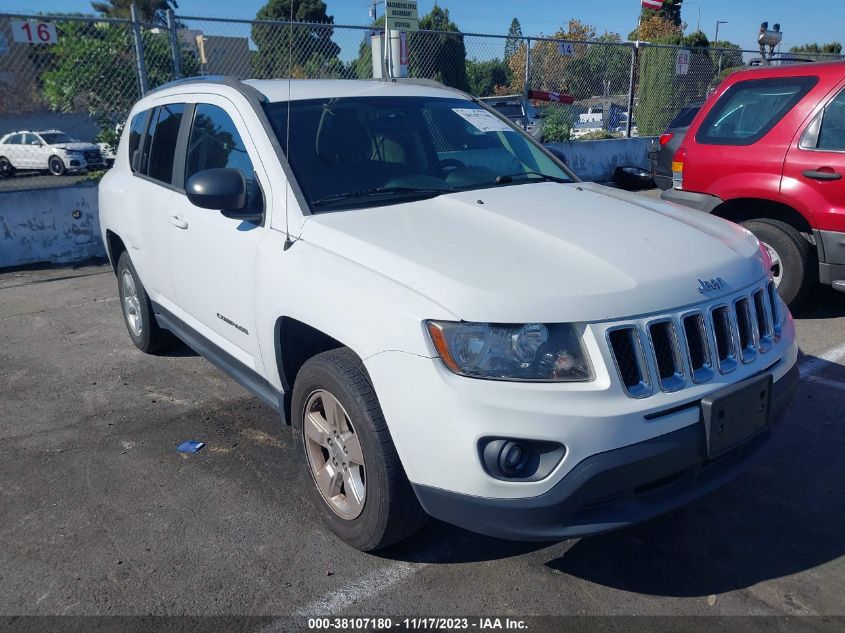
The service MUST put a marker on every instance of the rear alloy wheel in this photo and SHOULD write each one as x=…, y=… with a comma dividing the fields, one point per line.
x=351, y=470
x=56, y=166
x=6, y=168
x=794, y=265
x=141, y=323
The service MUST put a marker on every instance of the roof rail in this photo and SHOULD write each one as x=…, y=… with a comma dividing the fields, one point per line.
x=221, y=80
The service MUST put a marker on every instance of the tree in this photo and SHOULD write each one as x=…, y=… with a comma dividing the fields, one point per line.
x=514, y=39
x=309, y=48
x=832, y=48
x=440, y=56
x=486, y=78
x=148, y=10
x=661, y=91
x=654, y=28
x=670, y=12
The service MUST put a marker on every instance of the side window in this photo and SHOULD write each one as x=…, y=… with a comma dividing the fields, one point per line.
x=28, y=139
x=14, y=139
x=163, y=144
x=749, y=109
x=136, y=129
x=214, y=143
x=832, y=132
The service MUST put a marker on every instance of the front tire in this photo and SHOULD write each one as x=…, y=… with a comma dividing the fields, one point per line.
x=795, y=268
x=6, y=168
x=352, y=472
x=56, y=166
x=137, y=310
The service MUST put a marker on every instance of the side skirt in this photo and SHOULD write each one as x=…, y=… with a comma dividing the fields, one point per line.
x=248, y=378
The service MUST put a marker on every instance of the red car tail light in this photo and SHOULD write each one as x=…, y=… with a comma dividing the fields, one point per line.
x=666, y=137
x=678, y=168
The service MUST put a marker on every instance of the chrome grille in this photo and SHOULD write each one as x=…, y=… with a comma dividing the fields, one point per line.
x=695, y=344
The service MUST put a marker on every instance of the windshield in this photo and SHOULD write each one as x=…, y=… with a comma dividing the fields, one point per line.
x=51, y=138
x=363, y=151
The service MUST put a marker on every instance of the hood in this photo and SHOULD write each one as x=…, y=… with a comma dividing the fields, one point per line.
x=77, y=147
x=545, y=251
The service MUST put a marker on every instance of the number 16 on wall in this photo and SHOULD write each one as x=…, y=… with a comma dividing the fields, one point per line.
x=34, y=32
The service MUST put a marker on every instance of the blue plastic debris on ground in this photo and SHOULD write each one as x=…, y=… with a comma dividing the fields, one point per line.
x=190, y=446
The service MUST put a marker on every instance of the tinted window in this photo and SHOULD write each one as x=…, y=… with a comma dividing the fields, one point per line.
x=215, y=142
x=749, y=109
x=684, y=118
x=29, y=139
x=163, y=143
x=14, y=139
x=832, y=133
x=51, y=138
x=136, y=129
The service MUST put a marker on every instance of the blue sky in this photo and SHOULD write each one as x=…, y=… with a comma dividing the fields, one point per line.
x=815, y=20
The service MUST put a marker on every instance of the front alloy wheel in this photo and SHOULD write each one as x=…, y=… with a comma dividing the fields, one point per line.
x=56, y=166
x=334, y=455
x=777, y=265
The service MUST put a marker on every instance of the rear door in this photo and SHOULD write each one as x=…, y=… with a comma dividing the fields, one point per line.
x=814, y=172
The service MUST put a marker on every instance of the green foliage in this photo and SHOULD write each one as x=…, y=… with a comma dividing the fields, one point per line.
x=92, y=68
x=148, y=10
x=484, y=76
x=440, y=56
x=514, y=39
x=661, y=92
x=557, y=123
x=832, y=48
x=597, y=135
x=286, y=50
x=670, y=11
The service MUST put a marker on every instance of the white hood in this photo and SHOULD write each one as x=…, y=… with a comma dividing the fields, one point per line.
x=78, y=147
x=544, y=252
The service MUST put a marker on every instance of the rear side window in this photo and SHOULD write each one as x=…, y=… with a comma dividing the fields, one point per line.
x=832, y=132
x=749, y=109
x=136, y=129
x=162, y=137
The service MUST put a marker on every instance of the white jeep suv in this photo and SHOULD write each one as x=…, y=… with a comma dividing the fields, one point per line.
x=50, y=150
x=453, y=324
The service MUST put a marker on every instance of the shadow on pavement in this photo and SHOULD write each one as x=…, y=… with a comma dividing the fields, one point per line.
x=782, y=517
x=823, y=303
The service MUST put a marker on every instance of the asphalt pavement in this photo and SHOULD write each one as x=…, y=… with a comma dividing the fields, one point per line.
x=99, y=515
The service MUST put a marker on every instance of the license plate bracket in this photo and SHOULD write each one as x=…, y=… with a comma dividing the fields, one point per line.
x=736, y=413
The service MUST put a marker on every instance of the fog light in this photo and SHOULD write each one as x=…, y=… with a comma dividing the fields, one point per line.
x=522, y=460
x=74, y=163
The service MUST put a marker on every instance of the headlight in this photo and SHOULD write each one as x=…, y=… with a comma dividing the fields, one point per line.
x=536, y=351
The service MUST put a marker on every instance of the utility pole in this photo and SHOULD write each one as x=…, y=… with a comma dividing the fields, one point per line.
x=373, y=11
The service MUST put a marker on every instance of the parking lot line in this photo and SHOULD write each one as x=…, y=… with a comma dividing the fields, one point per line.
x=815, y=365
x=370, y=585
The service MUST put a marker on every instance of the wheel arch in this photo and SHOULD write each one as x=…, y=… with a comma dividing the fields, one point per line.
x=114, y=248
x=739, y=210
x=294, y=343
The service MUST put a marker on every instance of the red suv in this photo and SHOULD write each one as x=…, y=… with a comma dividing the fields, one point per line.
x=767, y=150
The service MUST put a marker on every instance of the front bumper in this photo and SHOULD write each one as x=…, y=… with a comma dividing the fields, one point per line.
x=698, y=201
x=613, y=489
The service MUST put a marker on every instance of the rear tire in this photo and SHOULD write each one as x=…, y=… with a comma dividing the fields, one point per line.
x=390, y=511
x=56, y=166
x=797, y=269
x=141, y=323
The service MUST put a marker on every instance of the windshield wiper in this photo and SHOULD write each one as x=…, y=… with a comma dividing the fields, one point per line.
x=422, y=192
x=507, y=178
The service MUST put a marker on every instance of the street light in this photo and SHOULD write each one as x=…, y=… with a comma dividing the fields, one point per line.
x=718, y=22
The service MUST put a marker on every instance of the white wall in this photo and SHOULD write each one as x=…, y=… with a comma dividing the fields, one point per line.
x=39, y=226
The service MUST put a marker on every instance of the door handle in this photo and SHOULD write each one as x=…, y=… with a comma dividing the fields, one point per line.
x=822, y=175
x=178, y=222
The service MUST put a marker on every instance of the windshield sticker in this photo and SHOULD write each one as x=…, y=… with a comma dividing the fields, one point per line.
x=482, y=120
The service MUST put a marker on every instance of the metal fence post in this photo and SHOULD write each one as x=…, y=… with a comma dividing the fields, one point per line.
x=631, y=88
x=139, y=49
x=526, y=88
x=175, y=51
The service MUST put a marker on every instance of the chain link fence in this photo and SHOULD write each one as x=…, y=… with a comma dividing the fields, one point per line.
x=68, y=82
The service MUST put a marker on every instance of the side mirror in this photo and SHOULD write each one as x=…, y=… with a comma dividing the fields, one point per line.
x=223, y=189
x=36, y=143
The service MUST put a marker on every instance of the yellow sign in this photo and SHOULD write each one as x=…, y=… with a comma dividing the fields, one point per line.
x=401, y=15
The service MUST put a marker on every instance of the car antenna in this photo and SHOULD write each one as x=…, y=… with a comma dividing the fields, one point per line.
x=288, y=242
